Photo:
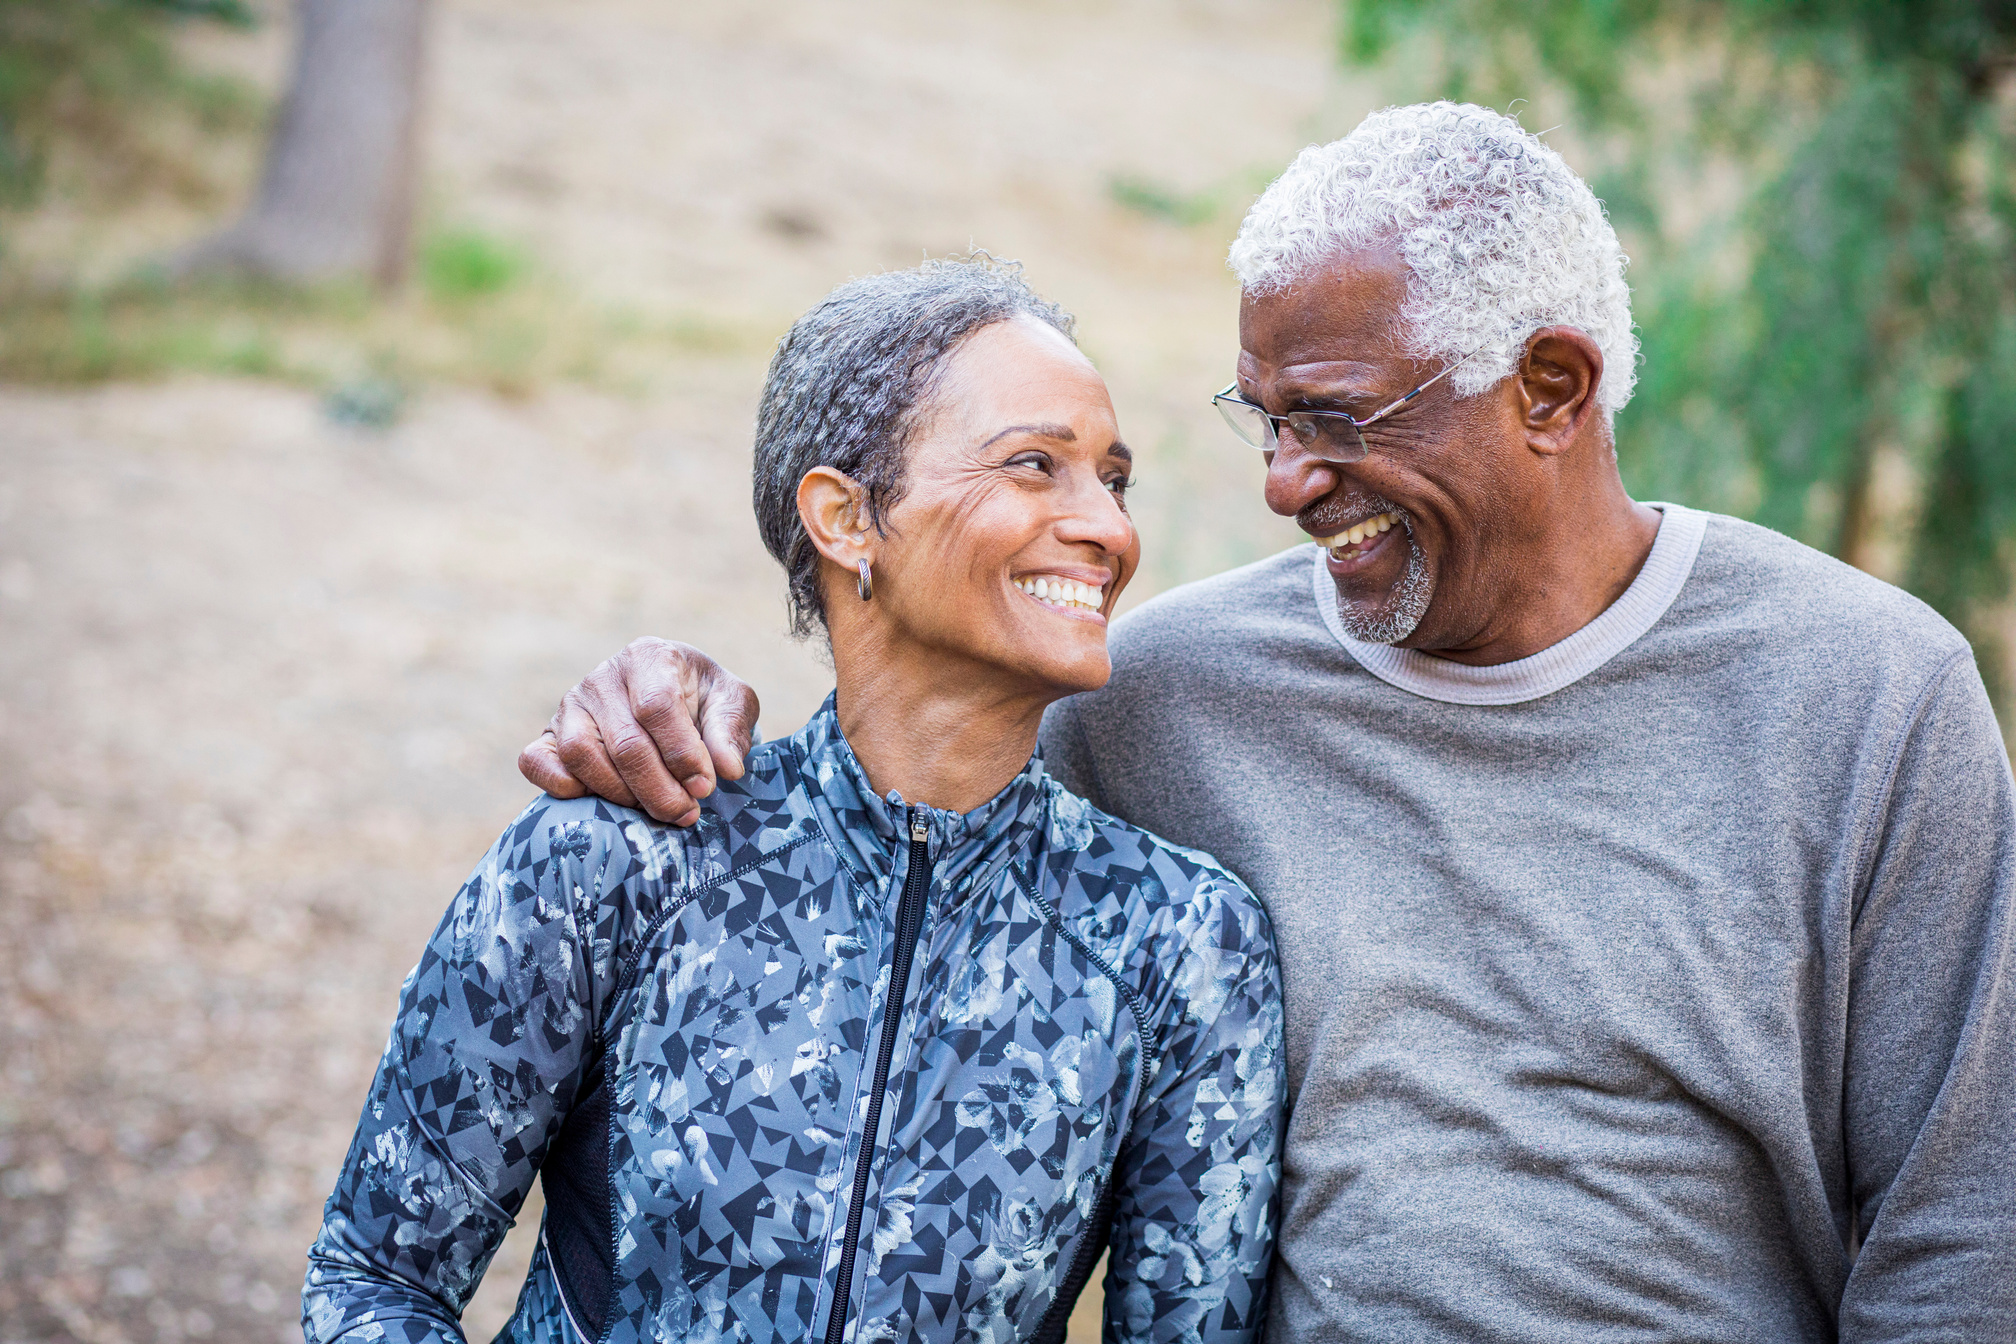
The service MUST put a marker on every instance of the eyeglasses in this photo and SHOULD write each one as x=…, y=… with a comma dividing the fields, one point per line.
x=1330, y=435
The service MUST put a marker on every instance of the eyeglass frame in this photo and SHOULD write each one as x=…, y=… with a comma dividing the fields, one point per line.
x=1230, y=394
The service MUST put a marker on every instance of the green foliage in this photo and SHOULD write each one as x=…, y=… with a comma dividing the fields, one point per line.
x=1854, y=303
x=465, y=264
x=1157, y=201
x=85, y=66
x=371, y=402
x=347, y=340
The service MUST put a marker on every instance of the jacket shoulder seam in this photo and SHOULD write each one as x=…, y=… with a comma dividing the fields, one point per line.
x=1106, y=968
x=672, y=908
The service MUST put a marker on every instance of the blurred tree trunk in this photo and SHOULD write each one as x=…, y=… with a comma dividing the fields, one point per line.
x=336, y=196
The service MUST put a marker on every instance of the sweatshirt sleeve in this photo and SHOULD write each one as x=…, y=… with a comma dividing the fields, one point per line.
x=1930, y=1092
x=1193, y=1220
x=1067, y=752
x=494, y=1029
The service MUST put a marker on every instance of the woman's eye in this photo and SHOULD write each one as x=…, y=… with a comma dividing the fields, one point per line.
x=1036, y=460
x=1120, y=485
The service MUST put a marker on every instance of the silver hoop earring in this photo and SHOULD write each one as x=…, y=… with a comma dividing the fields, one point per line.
x=867, y=582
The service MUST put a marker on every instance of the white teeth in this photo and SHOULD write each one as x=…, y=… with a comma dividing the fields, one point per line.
x=1358, y=532
x=1061, y=592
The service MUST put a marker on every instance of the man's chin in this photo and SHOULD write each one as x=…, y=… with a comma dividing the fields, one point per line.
x=1382, y=624
x=1393, y=615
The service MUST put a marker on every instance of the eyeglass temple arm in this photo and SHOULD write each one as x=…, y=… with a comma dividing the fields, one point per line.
x=1387, y=410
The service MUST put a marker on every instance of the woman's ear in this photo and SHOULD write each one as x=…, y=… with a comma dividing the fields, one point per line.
x=834, y=509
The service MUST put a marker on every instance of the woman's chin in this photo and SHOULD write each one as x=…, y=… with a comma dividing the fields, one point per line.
x=1087, y=671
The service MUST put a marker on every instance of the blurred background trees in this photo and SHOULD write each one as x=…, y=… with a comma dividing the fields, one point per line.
x=1818, y=199
x=96, y=70
x=337, y=194
x=338, y=191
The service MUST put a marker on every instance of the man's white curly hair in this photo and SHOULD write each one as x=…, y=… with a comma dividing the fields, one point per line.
x=1501, y=236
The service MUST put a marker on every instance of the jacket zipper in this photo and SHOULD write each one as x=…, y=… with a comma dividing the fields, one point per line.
x=909, y=923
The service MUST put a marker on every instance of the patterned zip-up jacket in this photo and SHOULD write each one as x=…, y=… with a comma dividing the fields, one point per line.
x=689, y=1032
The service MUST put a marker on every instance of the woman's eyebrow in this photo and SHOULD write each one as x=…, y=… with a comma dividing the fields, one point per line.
x=1062, y=433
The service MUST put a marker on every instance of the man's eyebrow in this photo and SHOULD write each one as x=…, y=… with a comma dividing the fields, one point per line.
x=1062, y=433
x=1326, y=396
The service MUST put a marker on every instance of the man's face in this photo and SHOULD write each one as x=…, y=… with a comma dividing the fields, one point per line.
x=1450, y=480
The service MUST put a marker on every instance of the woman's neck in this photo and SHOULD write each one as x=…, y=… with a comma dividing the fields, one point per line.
x=938, y=734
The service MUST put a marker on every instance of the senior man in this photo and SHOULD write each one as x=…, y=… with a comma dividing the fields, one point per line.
x=1643, y=879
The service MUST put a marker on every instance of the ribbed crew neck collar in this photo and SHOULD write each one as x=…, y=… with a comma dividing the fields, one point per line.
x=1664, y=573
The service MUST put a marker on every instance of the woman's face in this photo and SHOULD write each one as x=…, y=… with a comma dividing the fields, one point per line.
x=1012, y=542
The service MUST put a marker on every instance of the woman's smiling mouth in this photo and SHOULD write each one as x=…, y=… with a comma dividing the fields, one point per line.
x=1054, y=590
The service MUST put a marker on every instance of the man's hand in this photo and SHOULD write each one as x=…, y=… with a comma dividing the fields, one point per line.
x=654, y=728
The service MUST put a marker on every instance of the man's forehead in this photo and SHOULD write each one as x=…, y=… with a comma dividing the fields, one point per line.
x=1343, y=313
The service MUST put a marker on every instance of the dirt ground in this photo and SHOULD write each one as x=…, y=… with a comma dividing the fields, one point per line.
x=262, y=677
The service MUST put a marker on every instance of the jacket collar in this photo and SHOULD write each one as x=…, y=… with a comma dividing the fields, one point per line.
x=872, y=834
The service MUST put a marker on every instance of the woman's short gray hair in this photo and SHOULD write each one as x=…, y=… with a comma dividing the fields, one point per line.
x=848, y=382
x=1500, y=235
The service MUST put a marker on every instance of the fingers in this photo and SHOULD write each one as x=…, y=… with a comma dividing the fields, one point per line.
x=655, y=728
x=663, y=681
x=540, y=764
x=728, y=713
x=622, y=756
x=579, y=743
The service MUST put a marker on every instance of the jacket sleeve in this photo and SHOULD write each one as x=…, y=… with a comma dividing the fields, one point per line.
x=1929, y=1098
x=1194, y=1189
x=493, y=1031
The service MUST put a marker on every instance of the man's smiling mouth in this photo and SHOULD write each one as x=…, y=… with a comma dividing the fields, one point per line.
x=1356, y=539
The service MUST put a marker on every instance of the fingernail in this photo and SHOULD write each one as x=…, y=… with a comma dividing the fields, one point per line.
x=697, y=785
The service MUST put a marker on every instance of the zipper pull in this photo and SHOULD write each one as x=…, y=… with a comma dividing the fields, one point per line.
x=918, y=833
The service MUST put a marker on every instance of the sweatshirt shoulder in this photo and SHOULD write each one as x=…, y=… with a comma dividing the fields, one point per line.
x=1270, y=595
x=1749, y=577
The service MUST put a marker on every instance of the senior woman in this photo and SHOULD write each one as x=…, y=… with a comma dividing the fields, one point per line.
x=898, y=1036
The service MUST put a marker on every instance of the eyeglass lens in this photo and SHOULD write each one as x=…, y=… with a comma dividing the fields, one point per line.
x=1248, y=421
x=1330, y=437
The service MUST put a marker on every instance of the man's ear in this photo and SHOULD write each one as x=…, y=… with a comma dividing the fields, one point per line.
x=834, y=508
x=1558, y=378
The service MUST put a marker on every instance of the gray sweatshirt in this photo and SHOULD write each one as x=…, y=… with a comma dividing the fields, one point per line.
x=1660, y=986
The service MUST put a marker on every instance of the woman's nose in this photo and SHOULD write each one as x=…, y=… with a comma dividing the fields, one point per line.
x=1096, y=517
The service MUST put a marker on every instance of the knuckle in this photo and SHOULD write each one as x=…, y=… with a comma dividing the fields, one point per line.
x=657, y=704
x=685, y=762
x=632, y=749
x=580, y=755
x=651, y=652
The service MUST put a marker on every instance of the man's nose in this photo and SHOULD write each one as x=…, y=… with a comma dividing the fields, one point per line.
x=1295, y=479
